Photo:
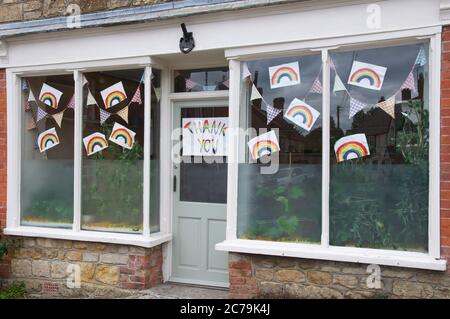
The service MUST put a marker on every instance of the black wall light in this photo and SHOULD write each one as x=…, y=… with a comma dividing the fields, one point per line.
x=187, y=43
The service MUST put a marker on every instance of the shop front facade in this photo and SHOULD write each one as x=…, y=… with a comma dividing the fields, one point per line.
x=300, y=150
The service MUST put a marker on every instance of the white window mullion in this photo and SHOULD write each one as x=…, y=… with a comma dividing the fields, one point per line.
x=325, y=148
x=77, y=141
x=147, y=139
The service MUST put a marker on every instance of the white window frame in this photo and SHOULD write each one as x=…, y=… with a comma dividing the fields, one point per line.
x=323, y=251
x=14, y=131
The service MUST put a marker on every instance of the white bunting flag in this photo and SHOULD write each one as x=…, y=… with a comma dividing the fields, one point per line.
x=338, y=84
x=255, y=94
x=421, y=57
x=158, y=93
x=31, y=97
x=85, y=81
x=246, y=72
x=90, y=99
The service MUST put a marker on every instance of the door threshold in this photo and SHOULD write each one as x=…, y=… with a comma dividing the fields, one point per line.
x=199, y=283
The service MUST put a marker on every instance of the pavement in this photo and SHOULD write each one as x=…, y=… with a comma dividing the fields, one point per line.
x=181, y=291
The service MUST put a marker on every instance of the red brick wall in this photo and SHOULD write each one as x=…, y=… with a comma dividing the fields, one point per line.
x=445, y=145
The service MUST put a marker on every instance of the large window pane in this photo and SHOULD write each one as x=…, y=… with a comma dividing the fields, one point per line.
x=380, y=200
x=46, y=197
x=214, y=79
x=112, y=170
x=284, y=205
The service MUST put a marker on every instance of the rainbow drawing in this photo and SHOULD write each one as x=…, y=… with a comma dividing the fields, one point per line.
x=284, y=75
x=367, y=75
x=122, y=136
x=301, y=114
x=265, y=144
x=113, y=95
x=351, y=147
x=50, y=96
x=94, y=143
x=47, y=139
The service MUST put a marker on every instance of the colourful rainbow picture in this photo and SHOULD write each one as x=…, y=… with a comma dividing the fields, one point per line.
x=94, y=143
x=265, y=144
x=284, y=75
x=367, y=75
x=122, y=136
x=50, y=96
x=47, y=139
x=301, y=114
x=351, y=147
x=113, y=95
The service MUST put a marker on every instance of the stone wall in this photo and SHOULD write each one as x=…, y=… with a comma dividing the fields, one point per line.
x=17, y=10
x=107, y=270
x=255, y=276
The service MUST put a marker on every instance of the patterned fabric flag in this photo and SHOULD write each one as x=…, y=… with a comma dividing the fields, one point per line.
x=24, y=85
x=316, y=87
x=421, y=57
x=31, y=124
x=90, y=99
x=31, y=97
x=388, y=106
x=85, y=81
x=410, y=83
x=58, y=117
x=255, y=94
x=71, y=104
x=104, y=116
x=226, y=83
x=246, y=72
x=190, y=84
x=40, y=114
x=271, y=113
x=137, y=96
x=338, y=85
x=123, y=113
x=355, y=107
x=27, y=106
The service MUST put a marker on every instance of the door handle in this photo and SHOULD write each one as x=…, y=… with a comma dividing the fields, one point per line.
x=174, y=183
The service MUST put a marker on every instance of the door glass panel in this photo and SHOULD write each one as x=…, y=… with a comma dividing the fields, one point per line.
x=203, y=178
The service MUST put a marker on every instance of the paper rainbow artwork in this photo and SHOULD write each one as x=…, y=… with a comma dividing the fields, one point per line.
x=47, y=139
x=113, y=95
x=265, y=144
x=95, y=143
x=122, y=136
x=301, y=114
x=367, y=75
x=50, y=96
x=351, y=147
x=284, y=75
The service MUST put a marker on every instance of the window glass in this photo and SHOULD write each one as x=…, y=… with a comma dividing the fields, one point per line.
x=154, y=152
x=215, y=79
x=47, y=151
x=283, y=97
x=379, y=148
x=113, y=139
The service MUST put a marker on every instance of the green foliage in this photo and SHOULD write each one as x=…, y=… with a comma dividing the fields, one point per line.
x=3, y=249
x=54, y=210
x=16, y=291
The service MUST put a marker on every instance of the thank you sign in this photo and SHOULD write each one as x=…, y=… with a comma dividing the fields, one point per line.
x=205, y=136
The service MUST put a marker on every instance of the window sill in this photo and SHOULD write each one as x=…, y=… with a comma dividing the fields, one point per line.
x=343, y=254
x=92, y=236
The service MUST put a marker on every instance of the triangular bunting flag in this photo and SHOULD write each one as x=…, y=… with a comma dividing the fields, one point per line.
x=190, y=84
x=27, y=106
x=255, y=94
x=271, y=113
x=226, y=83
x=90, y=99
x=316, y=87
x=71, y=104
x=246, y=72
x=31, y=97
x=355, y=107
x=421, y=57
x=338, y=85
x=58, y=118
x=123, y=113
x=137, y=96
x=40, y=114
x=84, y=82
x=24, y=85
x=388, y=106
x=410, y=83
x=31, y=125
x=103, y=116
x=157, y=93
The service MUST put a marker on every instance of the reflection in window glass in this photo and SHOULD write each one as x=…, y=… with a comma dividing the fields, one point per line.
x=113, y=138
x=47, y=151
x=154, y=152
x=215, y=79
x=380, y=200
x=285, y=205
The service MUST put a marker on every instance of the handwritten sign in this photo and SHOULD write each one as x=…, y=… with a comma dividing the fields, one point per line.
x=206, y=136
